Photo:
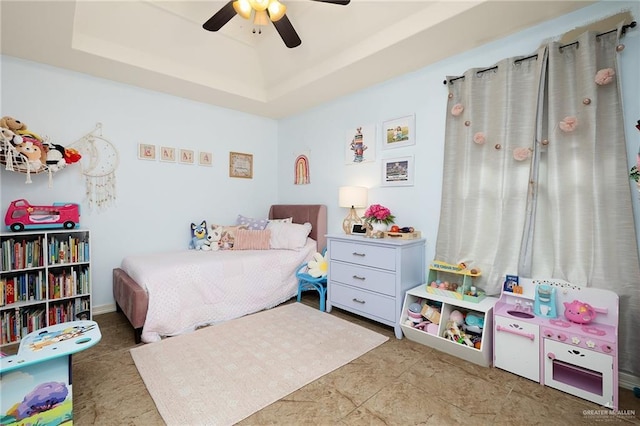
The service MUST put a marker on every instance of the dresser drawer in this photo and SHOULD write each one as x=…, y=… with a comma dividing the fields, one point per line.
x=370, y=303
x=363, y=254
x=365, y=278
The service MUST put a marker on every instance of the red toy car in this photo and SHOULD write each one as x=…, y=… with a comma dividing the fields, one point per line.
x=21, y=215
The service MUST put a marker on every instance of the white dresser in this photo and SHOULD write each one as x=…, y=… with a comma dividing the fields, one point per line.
x=369, y=276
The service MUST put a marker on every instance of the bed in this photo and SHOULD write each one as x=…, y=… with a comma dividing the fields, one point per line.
x=166, y=294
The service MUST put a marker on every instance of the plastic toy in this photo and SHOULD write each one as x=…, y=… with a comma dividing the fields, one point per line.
x=414, y=313
x=474, y=323
x=454, y=333
x=545, y=301
x=199, y=239
x=21, y=215
x=579, y=312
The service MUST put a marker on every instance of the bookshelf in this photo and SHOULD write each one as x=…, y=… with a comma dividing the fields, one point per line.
x=45, y=279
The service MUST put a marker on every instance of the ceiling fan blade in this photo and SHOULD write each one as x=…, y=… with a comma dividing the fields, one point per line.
x=221, y=17
x=340, y=2
x=287, y=32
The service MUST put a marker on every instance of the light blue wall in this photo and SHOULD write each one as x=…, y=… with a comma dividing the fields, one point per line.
x=157, y=201
x=321, y=132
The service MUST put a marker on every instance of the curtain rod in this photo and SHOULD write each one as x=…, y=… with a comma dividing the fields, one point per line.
x=535, y=55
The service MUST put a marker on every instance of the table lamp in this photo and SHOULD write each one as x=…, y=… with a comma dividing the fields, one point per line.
x=352, y=197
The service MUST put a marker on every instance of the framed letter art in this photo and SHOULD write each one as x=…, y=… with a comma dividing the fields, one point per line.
x=167, y=154
x=186, y=156
x=146, y=151
x=205, y=159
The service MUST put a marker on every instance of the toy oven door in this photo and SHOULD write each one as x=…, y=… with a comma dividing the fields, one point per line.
x=578, y=371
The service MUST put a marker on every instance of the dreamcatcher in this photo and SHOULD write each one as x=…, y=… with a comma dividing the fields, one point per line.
x=99, y=162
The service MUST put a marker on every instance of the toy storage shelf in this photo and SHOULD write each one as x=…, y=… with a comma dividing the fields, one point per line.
x=484, y=309
x=45, y=279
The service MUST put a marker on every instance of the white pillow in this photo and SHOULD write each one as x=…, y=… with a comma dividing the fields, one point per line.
x=285, y=220
x=289, y=236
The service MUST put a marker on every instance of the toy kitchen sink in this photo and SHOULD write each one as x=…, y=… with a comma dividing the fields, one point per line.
x=559, y=334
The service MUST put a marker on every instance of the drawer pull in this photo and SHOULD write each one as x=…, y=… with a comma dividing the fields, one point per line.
x=355, y=277
x=358, y=254
x=358, y=301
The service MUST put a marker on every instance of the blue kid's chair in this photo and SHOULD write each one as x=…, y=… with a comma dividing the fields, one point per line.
x=307, y=282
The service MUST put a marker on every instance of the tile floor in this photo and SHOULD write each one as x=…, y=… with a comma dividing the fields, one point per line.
x=398, y=383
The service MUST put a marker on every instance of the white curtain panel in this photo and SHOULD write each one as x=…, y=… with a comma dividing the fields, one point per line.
x=564, y=211
x=491, y=117
x=584, y=228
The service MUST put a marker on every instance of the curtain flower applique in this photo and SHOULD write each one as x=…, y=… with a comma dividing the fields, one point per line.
x=457, y=110
x=604, y=76
x=568, y=124
x=479, y=138
x=521, y=154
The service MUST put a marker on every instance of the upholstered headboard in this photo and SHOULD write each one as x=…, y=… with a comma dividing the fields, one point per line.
x=315, y=214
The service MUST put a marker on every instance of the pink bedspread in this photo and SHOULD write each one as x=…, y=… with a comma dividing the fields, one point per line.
x=192, y=288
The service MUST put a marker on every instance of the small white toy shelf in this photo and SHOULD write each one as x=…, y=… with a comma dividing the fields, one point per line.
x=436, y=333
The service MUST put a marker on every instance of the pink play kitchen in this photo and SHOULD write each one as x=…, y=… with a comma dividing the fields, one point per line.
x=561, y=335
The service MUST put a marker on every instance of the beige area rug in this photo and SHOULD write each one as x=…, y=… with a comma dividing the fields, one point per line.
x=221, y=374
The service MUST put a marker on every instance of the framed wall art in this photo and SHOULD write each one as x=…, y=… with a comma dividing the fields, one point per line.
x=186, y=156
x=399, y=132
x=146, y=151
x=205, y=158
x=167, y=154
x=398, y=171
x=360, y=144
x=240, y=165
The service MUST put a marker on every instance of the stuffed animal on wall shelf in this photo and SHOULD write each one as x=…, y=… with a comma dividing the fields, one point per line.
x=33, y=151
x=18, y=127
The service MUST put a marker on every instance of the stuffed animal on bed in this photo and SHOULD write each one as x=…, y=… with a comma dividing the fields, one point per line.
x=199, y=239
x=214, y=237
x=228, y=235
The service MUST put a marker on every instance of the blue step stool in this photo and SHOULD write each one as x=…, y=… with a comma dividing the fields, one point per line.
x=307, y=282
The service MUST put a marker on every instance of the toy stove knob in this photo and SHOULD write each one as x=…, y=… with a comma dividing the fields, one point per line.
x=562, y=337
x=590, y=344
x=607, y=348
x=575, y=340
x=548, y=333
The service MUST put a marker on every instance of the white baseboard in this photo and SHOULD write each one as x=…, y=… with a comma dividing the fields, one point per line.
x=103, y=309
x=628, y=381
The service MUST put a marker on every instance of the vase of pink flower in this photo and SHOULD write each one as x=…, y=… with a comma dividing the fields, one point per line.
x=379, y=217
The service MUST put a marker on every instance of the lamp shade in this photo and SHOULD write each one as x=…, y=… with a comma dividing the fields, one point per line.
x=352, y=196
x=276, y=10
x=242, y=8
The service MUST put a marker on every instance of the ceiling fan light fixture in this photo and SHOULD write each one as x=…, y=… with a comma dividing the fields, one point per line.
x=276, y=10
x=243, y=8
x=259, y=5
x=261, y=18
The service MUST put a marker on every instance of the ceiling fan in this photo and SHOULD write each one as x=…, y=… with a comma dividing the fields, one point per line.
x=264, y=11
